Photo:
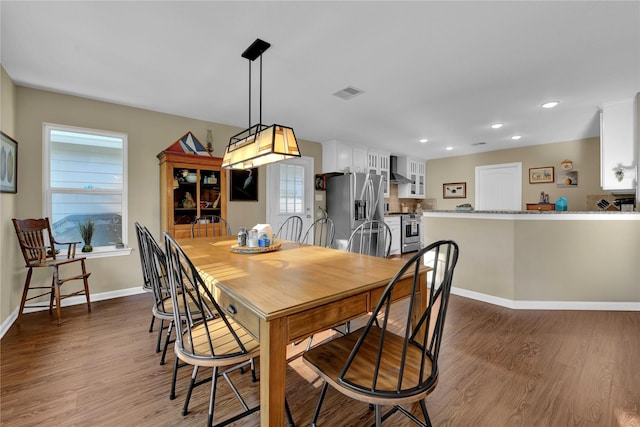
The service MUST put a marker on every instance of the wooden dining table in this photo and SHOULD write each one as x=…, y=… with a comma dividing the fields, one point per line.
x=288, y=294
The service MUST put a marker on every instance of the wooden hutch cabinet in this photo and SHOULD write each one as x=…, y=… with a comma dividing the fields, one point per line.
x=191, y=186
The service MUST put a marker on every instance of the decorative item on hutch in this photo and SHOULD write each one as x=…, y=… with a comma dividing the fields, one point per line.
x=192, y=185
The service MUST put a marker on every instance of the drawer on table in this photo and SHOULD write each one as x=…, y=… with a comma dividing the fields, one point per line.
x=403, y=290
x=303, y=324
x=239, y=312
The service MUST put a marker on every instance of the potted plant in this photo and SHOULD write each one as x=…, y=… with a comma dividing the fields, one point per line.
x=86, y=232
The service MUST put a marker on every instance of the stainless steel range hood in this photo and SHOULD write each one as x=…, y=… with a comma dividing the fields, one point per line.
x=394, y=176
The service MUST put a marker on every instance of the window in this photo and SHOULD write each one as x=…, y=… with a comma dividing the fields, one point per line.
x=291, y=189
x=85, y=177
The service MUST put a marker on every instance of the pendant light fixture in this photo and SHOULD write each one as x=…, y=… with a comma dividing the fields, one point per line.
x=259, y=144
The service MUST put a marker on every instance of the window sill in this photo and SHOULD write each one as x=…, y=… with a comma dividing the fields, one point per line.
x=104, y=253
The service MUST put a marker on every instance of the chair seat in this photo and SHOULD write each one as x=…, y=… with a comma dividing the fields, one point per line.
x=198, y=351
x=329, y=359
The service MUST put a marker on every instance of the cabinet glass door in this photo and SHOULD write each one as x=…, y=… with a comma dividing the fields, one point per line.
x=210, y=192
x=185, y=207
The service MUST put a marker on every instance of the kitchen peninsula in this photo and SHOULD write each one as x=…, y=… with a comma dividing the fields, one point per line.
x=544, y=259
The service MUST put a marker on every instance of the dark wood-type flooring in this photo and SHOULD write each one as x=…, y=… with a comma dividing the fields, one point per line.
x=499, y=367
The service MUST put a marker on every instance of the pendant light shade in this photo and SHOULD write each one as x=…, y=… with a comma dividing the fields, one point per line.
x=259, y=144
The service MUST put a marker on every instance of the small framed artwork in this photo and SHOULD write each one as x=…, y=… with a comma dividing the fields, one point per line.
x=244, y=185
x=541, y=175
x=8, y=164
x=454, y=190
x=567, y=179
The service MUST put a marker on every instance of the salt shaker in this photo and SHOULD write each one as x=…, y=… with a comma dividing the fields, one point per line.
x=242, y=237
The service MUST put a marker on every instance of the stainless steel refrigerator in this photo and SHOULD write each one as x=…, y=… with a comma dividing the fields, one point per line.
x=351, y=200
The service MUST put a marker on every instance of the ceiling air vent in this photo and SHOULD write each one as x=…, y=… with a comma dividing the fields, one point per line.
x=348, y=93
x=479, y=143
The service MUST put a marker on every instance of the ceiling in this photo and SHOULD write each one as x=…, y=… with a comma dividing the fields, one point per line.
x=442, y=70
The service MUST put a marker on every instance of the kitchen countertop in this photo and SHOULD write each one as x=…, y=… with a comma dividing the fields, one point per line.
x=535, y=215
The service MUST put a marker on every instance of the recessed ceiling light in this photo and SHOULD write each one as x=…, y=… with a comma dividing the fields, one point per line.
x=423, y=140
x=449, y=148
x=516, y=137
x=550, y=104
x=497, y=125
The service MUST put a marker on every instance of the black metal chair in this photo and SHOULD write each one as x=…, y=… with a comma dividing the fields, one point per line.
x=146, y=284
x=392, y=364
x=372, y=237
x=210, y=225
x=320, y=233
x=291, y=229
x=210, y=337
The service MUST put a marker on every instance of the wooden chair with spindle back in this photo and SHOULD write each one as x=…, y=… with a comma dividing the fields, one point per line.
x=38, y=248
x=393, y=364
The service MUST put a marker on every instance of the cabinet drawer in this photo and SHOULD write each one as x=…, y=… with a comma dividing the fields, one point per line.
x=302, y=325
x=238, y=311
x=541, y=206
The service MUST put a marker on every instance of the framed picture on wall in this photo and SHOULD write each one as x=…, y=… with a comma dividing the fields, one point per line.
x=8, y=164
x=244, y=185
x=541, y=175
x=454, y=190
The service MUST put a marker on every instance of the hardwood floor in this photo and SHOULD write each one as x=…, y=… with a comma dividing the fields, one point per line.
x=498, y=367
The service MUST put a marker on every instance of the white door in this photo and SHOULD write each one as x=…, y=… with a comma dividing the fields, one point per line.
x=290, y=189
x=499, y=187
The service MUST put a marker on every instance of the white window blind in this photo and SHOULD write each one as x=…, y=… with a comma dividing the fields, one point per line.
x=85, y=178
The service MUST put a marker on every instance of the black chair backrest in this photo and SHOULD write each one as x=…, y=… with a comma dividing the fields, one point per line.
x=291, y=229
x=196, y=306
x=158, y=274
x=371, y=238
x=320, y=233
x=144, y=258
x=421, y=338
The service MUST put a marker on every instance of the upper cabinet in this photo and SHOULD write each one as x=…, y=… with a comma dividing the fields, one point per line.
x=618, y=150
x=378, y=164
x=415, y=170
x=342, y=157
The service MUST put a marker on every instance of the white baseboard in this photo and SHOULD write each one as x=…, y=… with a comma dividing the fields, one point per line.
x=71, y=301
x=548, y=305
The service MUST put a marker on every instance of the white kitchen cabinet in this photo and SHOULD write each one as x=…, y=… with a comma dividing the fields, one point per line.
x=337, y=156
x=415, y=170
x=378, y=163
x=618, y=152
x=394, y=224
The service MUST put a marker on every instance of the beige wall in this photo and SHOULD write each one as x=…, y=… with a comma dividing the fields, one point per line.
x=573, y=260
x=584, y=153
x=9, y=257
x=148, y=133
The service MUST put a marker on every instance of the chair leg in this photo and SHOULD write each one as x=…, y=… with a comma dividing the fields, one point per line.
x=212, y=400
x=378, y=416
x=172, y=393
x=316, y=413
x=27, y=283
x=160, y=336
x=287, y=411
x=166, y=342
x=85, y=279
x=185, y=409
x=425, y=413
x=52, y=293
x=153, y=319
x=57, y=285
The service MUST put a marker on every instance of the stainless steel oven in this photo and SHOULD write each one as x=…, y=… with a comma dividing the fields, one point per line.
x=411, y=227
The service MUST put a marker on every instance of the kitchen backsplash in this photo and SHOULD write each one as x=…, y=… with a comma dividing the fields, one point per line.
x=395, y=203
